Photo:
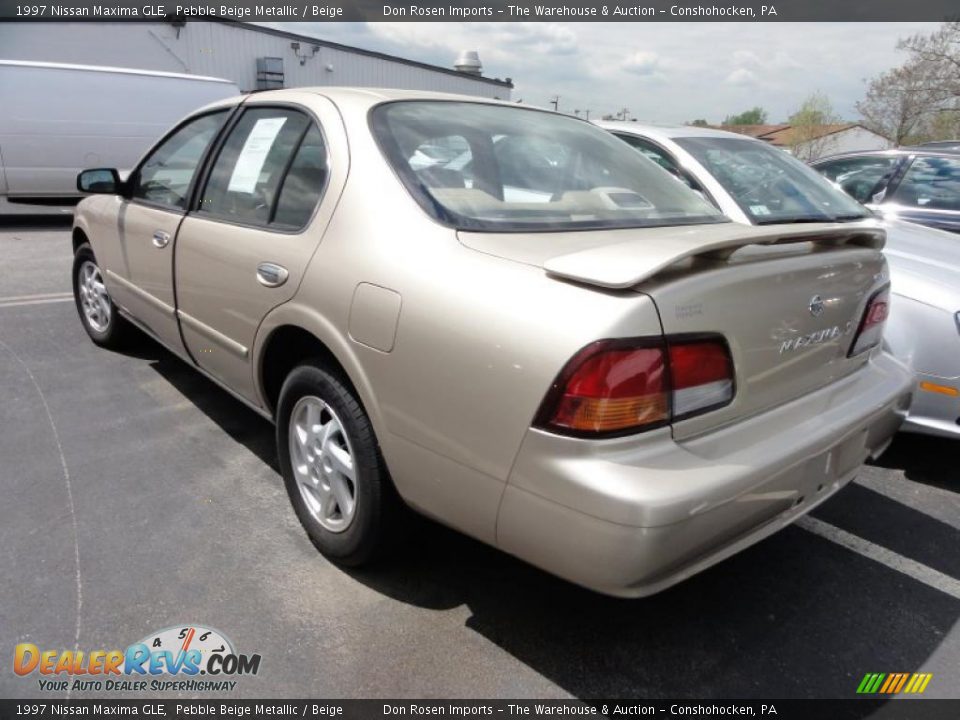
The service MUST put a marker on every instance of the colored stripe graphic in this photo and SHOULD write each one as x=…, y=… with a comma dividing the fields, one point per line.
x=894, y=683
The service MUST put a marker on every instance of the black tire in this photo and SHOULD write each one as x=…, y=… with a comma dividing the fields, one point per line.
x=116, y=331
x=377, y=515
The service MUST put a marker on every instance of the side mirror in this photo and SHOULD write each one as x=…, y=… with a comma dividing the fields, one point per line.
x=103, y=181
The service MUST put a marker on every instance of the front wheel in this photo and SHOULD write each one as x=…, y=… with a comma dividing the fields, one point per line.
x=332, y=467
x=98, y=314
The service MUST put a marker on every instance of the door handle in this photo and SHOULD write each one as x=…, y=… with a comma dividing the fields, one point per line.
x=271, y=275
x=160, y=239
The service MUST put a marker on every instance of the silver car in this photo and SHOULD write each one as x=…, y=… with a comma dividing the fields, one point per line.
x=756, y=184
x=502, y=318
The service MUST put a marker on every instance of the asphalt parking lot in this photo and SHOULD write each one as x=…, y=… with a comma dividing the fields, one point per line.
x=136, y=495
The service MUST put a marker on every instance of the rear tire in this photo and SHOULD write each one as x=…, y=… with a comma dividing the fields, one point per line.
x=332, y=467
x=100, y=317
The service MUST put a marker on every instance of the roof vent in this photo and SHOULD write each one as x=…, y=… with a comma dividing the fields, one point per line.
x=468, y=62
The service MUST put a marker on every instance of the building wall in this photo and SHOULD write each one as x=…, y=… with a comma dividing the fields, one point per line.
x=853, y=140
x=221, y=50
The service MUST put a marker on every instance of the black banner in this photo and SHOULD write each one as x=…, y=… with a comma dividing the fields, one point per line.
x=483, y=10
x=392, y=709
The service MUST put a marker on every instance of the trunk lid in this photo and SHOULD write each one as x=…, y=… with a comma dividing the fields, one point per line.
x=788, y=299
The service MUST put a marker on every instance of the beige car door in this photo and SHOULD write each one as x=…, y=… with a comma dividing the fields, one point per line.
x=140, y=277
x=262, y=212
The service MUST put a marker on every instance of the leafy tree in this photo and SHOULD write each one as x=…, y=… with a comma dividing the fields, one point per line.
x=699, y=122
x=919, y=100
x=897, y=104
x=944, y=125
x=753, y=116
x=807, y=138
x=940, y=52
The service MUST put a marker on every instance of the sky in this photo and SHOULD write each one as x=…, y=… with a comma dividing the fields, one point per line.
x=660, y=72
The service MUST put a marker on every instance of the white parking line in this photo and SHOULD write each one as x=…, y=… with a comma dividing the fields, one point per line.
x=894, y=561
x=940, y=504
x=38, y=299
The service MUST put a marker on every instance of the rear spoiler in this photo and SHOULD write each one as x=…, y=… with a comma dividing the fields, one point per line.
x=625, y=264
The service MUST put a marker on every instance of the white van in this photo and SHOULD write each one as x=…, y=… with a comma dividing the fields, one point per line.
x=56, y=120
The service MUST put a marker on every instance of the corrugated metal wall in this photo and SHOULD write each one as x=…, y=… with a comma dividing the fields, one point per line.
x=221, y=50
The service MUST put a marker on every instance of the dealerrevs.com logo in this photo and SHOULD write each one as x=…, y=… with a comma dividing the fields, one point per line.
x=187, y=658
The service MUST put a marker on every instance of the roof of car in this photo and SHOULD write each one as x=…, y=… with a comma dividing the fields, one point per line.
x=669, y=131
x=893, y=152
x=932, y=149
x=373, y=95
x=941, y=144
x=398, y=93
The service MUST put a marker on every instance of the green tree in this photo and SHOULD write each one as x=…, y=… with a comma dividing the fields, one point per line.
x=699, y=122
x=808, y=139
x=753, y=116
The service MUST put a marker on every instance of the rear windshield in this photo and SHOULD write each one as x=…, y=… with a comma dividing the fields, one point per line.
x=770, y=185
x=496, y=168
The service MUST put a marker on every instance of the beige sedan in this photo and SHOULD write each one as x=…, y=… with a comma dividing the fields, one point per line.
x=500, y=318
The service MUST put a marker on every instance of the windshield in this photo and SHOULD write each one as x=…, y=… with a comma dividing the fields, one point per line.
x=769, y=185
x=498, y=168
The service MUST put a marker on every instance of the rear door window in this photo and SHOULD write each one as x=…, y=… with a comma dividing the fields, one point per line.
x=932, y=183
x=662, y=158
x=267, y=170
x=304, y=183
x=858, y=176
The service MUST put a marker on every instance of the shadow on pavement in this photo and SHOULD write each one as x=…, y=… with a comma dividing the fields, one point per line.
x=924, y=459
x=234, y=418
x=35, y=222
x=796, y=616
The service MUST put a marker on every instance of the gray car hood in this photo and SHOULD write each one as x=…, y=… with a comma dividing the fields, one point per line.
x=924, y=264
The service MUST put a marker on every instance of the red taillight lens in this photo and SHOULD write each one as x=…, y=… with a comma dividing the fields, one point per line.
x=608, y=387
x=619, y=387
x=870, y=332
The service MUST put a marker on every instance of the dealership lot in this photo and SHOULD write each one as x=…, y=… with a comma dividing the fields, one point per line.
x=138, y=496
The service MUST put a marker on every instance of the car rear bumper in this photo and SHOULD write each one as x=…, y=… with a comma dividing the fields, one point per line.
x=633, y=516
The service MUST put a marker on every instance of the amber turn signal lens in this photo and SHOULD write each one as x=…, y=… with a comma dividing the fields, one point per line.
x=942, y=389
x=609, y=415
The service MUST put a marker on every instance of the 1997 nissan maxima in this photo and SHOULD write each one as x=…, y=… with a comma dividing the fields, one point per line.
x=503, y=318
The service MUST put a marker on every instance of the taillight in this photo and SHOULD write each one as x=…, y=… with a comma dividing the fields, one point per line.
x=702, y=375
x=621, y=387
x=870, y=332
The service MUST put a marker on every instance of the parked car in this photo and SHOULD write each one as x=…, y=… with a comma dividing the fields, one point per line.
x=57, y=119
x=589, y=376
x=943, y=144
x=756, y=184
x=920, y=184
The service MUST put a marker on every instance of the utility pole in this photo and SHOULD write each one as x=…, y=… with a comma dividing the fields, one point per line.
x=623, y=114
x=555, y=102
x=587, y=111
